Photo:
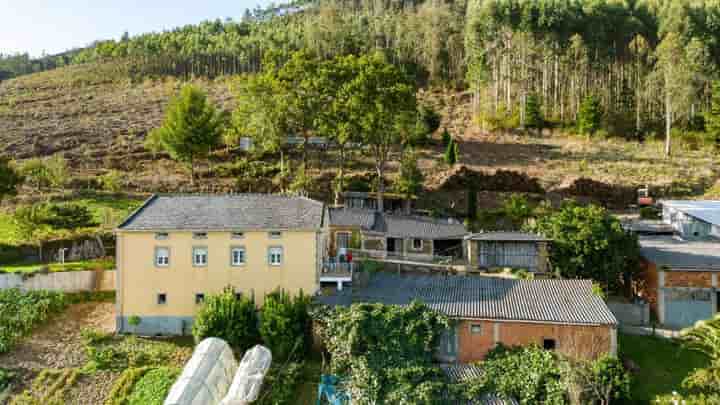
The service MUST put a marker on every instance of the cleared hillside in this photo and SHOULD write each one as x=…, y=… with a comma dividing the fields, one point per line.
x=98, y=119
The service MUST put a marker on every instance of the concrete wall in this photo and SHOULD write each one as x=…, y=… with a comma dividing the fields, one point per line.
x=72, y=281
x=140, y=280
x=572, y=340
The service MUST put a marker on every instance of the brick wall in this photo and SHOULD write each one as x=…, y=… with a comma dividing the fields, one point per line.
x=571, y=340
x=647, y=288
x=688, y=279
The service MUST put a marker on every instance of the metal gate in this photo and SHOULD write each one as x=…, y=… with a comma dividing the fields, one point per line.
x=685, y=307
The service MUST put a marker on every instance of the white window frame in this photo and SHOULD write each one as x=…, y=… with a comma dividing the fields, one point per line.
x=232, y=256
x=422, y=243
x=275, y=250
x=194, y=256
x=476, y=329
x=158, y=263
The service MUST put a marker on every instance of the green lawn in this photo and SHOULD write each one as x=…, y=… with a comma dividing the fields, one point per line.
x=662, y=363
x=94, y=264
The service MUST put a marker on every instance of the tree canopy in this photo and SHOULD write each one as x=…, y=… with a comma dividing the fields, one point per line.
x=191, y=129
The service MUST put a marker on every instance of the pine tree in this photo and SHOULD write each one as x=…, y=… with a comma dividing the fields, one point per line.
x=712, y=118
x=451, y=153
x=533, y=115
x=411, y=177
x=589, y=116
x=192, y=127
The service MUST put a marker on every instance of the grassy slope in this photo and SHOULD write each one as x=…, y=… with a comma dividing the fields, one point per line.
x=99, y=119
x=663, y=365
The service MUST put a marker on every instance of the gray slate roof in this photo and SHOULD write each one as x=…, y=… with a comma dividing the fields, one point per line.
x=226, y=212
x=482, y=297
x=507, y=237
x=398, y=226
x=678, y=254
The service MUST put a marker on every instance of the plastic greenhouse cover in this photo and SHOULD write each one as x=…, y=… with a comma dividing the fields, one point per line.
x=207, y=375
x=248, y=380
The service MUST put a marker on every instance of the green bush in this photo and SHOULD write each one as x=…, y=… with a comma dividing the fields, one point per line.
x=446, y=137
x=6, y=378
x=123, y=387
x=280, y=384
x=68, y=216
x=285, y=324
x=529, y=374
x=23, y=311
x=107, y=353
x=153, y=387
x=112, y=181
x=230, y=318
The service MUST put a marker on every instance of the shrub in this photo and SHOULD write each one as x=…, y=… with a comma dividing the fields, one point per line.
x=430, y=118
x=529, y=374
x=153, y=387
x=43, y=173
x=6, y=378
x=227, y=317
x=68, y=216
x=10, y=179
x=451, y=153
x=112, y=181
x=280, y=384
x=23, y=311
x=285, y=324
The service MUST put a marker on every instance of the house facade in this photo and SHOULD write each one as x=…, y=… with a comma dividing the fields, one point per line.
x=176, y=250
x=388, y=235
x=514, y=250
x=561, y=315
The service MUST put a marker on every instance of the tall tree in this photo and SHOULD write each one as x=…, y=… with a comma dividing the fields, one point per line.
x=589, y=116
x=410, y=182
x=191, y=129
x=712, y=118
x=378, y=101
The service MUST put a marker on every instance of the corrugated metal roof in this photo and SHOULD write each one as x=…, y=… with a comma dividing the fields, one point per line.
x=679, y=254
x=704, y=210
x=507, y=237
x=482, y=297
x=226, y=212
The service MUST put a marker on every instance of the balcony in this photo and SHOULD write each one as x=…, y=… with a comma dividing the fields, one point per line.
x=334, y=271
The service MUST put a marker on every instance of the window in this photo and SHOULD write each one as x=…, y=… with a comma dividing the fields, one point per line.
x=549, y=344
x=238, y=296
x=275, y=235
x=237, y=235
x=199, y=298
x=161, y=236
x=200, y=256
x=342, y=240
x=417, y=244
x=476, y=329
x=237, y=256
x=162, y=256
x=162, y=299
x=275, y=256
x=200, y=235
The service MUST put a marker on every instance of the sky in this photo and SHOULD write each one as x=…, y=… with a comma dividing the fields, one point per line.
x=52, y=26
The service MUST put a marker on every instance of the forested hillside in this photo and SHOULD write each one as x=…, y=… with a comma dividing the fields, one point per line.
x=634, y=78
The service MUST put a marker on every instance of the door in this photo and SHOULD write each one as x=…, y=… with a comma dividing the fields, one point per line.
x=685, y=307
x=392, y=245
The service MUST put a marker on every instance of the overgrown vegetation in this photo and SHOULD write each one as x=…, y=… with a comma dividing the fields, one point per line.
x=49, y=388
x=285, y=325
x=228, y=317
x=590, y=243
x=24, y=311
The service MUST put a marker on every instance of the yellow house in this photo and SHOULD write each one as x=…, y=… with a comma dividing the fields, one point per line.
x=176, y=249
